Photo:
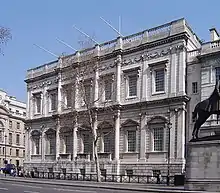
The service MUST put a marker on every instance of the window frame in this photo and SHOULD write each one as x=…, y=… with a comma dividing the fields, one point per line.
x=53, y=93
x=129, y=73
x=194, y=87
x=133, y=144
x=68, y=96
x=133, y=128
x=154, y=126
x=110, y=82
x=17, y=139
x=10, y=138
x=153, y=67
x=217, y=73
x=37, y=107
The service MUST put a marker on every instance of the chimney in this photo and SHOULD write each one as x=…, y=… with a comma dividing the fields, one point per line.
x=214, y=34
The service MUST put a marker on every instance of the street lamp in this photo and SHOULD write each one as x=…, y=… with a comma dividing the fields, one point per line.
x=5, y=154
x=169, y=126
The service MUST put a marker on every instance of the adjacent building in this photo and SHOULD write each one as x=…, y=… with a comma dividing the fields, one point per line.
x=12, y=138
x=143, y=77
x=203, y=70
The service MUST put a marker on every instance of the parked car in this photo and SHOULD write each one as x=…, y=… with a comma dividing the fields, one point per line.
x=8, y=168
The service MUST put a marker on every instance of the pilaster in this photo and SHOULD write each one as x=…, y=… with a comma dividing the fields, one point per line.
x=43, y=147
x=182, y=70
x=117, y=134
x=96, y=77
x=75, y=140
x=142, y=138
x=118, y=78
x=59, y=97
x=58, y=139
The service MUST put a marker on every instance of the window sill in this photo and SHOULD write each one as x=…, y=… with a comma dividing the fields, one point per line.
x=131, y=97
x=130, y=153
x=37, y=114
x=158, y=93
x=156, y=152
x=107, y=101
x=52, y=111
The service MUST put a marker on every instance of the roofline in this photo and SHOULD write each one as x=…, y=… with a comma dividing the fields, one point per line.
x=82, y=50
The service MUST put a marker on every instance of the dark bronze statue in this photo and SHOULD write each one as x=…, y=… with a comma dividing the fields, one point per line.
x=206, y=108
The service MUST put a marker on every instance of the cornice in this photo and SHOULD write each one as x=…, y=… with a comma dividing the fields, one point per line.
x=43, y=76
x=167, y=101
x=113, y=54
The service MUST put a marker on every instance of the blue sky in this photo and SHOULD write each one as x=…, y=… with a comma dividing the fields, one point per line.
x=42, y=21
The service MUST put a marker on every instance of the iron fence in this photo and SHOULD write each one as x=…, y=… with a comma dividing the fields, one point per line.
x=144, y=179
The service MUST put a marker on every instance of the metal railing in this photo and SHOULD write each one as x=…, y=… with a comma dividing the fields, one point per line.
x=144, y=179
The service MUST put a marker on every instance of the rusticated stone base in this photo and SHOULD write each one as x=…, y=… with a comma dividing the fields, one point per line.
x=203, y=165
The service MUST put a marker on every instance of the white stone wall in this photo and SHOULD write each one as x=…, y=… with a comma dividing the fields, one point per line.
x=139, y=111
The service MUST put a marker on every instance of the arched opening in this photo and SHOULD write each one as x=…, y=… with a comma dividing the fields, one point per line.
x=66, y=140
x=84, y=141
x=1, y=131
x=36, y=142
x=158, y=134
x=50, y=136
x=129, y=129
x=106, y=141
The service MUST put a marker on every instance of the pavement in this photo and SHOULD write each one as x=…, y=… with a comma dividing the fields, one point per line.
x=36, y=185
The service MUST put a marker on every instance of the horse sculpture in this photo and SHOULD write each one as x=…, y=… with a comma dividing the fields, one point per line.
x=206, y=108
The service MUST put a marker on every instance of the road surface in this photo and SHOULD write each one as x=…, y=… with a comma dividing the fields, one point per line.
x=22, y=187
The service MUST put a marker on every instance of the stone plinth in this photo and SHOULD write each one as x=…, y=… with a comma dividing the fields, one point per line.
x=203, y=164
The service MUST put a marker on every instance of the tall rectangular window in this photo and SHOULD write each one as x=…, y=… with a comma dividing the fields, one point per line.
x=108, y=89
x=37, y=145
x=52, y=144
x=68, y=144
x=87, y=90
x=194, y=87
x=86, y=143
x=1, y=136
x=38, y=104
x=10, y=124
x=18, y=125
x=10, y=138
x=107, y=142
x=159, y=80
x=17, y=139
x=217, y=73
x=131, y=141
x=24, y=140
x=53, y=101
x=158, y=138
x=132, y=85
x=17, y=152
x=68, y=97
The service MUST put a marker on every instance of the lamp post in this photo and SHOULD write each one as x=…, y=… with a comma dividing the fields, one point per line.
x=5, y=154
x=169, y=126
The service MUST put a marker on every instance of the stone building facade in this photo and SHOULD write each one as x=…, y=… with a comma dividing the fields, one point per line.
x=12, y=138
x=146, y=76
x=203, y=69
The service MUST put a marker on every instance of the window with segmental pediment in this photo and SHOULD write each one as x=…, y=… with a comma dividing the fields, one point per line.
x=37, y=103
x=131, y=82
x=158, y=76
x=68, y=95
x=130, y=136
x=53, y=99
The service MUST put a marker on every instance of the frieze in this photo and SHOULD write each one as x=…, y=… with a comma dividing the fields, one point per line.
x=214, y=62
x=107, y=66
x=132, y=60
x=42, y=84
x=153, y=55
